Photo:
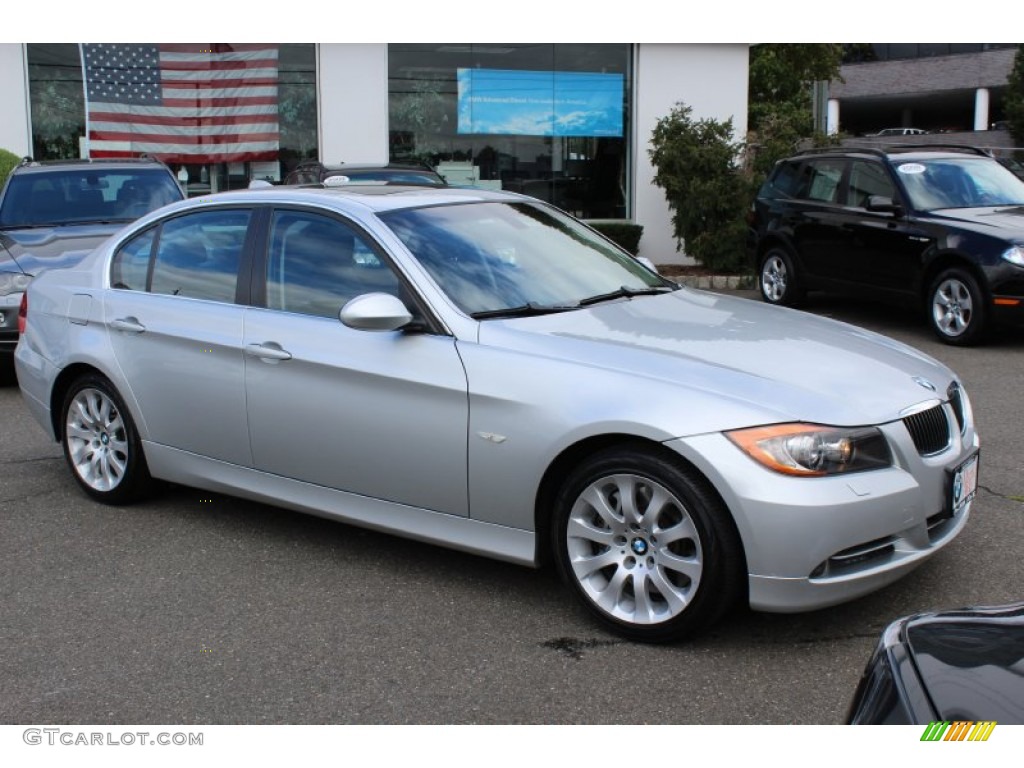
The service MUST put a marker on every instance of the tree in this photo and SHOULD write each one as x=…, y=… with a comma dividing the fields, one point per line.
x=780, y=112
x=1013, y=101
x=697, y=166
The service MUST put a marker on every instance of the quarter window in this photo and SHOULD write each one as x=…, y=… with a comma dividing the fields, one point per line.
x=131, y=262
x=317, y=264
x=198, y=255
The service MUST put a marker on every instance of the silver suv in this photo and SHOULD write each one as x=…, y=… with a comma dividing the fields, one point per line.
x=53, y=213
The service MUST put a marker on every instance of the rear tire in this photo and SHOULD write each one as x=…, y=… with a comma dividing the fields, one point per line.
x=647, y=545
x=778, y=279
x=101, y=444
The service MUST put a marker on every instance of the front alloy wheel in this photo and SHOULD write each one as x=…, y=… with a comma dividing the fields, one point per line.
x=646, y=545
x=101, y=444
x=957, y=308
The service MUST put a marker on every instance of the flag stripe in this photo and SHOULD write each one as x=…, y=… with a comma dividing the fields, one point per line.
x=191, y=102
x=186, y=137
x=114, y=121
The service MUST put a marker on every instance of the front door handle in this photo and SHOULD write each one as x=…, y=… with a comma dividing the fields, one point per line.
x=128, y=325
x=268, y=351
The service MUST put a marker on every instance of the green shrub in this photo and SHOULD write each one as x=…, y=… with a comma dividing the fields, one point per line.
x=697, y=165
x=8, y=160
x=624, y=233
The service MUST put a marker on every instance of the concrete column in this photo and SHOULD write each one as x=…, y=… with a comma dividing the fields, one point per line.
x=832, y=124
x=981, y=109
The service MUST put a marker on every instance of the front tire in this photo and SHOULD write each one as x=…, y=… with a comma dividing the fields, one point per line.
x=957, y=310
x=778, y=279
x=647, y=545
x=101, y=444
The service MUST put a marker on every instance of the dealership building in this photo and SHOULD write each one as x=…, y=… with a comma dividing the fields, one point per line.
x=567, y=123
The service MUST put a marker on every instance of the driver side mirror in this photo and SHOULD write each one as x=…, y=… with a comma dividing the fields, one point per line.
x=881, y=204
x=375, y=312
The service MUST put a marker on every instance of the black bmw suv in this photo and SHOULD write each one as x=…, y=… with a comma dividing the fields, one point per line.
x=942, y=226
x=53, y=213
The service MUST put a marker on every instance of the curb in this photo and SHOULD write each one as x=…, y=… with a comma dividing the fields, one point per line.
x=713, y=282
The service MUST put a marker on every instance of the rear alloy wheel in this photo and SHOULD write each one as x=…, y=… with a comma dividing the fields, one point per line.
x=778, y=279
x=956, y=308
x=647, y=545
x=101, y=444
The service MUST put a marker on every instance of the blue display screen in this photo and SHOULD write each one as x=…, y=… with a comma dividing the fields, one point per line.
x=527, y=103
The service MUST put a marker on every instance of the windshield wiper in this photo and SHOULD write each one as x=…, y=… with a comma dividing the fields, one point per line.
x=525, y=310
x=627, y=292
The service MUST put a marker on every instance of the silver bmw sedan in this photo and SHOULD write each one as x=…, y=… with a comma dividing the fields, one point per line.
x=481, y=371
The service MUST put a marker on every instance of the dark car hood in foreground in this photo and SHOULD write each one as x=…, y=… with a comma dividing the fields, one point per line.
x=37, y=248
x=971, y=662
x=964, y=665
x=773, y=364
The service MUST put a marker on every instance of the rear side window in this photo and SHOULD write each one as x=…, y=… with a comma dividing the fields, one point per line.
x=822, y=180
x=198, y=255
x=130, y=266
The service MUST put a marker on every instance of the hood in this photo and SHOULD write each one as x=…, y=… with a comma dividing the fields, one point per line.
x=971, y=662
x=39, y=248
x=789, y=365
x=1000, y=221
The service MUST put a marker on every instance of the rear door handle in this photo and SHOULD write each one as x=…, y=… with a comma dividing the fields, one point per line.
x=267, y=352
x=128, y=325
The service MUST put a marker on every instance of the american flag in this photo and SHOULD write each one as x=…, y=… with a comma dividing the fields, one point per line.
x=201, y=103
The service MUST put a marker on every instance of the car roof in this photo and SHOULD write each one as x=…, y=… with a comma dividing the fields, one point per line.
x=115, y=164
x=900, y=151
x=373, y=197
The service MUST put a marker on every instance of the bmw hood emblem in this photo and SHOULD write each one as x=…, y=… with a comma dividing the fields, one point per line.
x=925, y=383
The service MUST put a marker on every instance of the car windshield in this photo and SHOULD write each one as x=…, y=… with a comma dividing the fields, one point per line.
x=960, y=182
x=85, y=196
x=513, y=258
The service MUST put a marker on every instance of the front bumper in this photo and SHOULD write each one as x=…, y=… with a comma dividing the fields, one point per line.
x=815, y=542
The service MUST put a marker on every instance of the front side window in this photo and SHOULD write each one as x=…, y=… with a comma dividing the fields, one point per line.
x=868, y=180
x=317, y=264
x=198, y=255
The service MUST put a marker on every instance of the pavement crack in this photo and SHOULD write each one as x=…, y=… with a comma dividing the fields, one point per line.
x=30, y=460
x=574, y=647
x=27, y=497
x=1006, y=496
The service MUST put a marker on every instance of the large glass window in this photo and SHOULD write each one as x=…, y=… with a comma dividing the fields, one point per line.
x=281, y=82
x=550, y=121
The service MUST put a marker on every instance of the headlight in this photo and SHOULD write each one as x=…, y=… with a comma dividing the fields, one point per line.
x=813, y=450
x=1015, y=255
x=13, y=282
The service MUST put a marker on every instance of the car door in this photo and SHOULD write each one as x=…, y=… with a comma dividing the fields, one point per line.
x=815, y=218
x=176, y=331
x=383, y=414
x=884, y=248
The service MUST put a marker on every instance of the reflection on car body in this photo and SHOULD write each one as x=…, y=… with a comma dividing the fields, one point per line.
x=480, y=370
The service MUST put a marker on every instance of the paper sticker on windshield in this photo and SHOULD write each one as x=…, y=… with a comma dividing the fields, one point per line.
x=911, y=168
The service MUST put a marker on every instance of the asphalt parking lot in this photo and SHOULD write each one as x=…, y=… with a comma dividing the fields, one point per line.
x=199, y=608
